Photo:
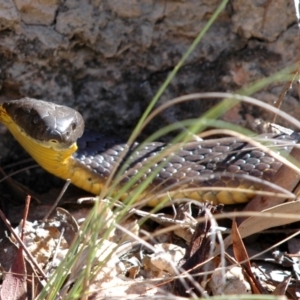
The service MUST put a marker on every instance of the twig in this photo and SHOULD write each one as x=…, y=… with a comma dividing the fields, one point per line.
x=16, y=236
x=68, y=181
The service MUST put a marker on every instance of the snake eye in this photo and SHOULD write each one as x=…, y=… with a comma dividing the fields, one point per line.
x=73, y=126
x=35, y=119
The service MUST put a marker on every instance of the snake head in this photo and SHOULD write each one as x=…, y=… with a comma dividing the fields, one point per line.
x=50, y=124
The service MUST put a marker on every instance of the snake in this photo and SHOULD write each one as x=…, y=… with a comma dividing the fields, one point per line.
x=225, y=170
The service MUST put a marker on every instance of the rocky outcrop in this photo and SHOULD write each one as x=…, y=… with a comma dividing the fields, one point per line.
x=108, y=57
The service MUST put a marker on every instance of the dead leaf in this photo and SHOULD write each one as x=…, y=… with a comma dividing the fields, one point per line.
x=14, y=286
x=282, y=287
x=240, y=254
x=196, y=254
x=257, y=224
x=230, y=282
x=165, y=259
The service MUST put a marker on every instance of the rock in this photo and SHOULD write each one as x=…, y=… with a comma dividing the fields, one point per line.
x=37, y=12
x=108, y=58
x=9, y=16
x=266, y=21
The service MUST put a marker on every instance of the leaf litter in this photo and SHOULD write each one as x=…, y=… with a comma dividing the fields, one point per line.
x=177, y=262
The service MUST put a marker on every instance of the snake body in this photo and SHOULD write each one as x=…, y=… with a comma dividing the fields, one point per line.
x=54, y=136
